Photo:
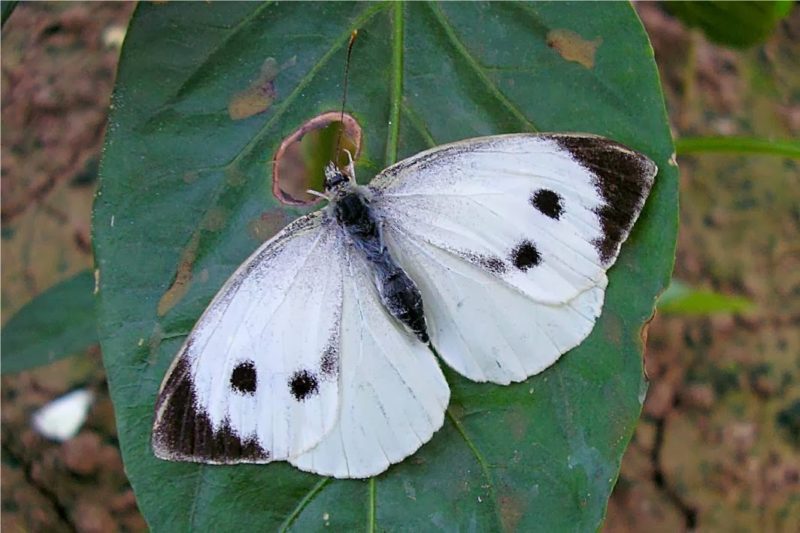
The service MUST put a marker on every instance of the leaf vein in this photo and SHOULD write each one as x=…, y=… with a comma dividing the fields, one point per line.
x=479, y=70
x=418, y=124
x=303, y=503
x=397, y=85
x=303, y=83
x=481, y=462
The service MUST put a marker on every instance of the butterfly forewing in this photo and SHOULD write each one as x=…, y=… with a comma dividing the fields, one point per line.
x=544, y=213
x=509, y=238
x=257, y=379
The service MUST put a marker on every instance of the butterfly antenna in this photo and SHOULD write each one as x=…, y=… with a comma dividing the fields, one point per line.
x=353, y=36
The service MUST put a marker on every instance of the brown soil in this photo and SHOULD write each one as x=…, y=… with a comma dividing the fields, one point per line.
x=717, y=447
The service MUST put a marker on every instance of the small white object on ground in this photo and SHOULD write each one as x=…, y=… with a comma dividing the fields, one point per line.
x=62, y=418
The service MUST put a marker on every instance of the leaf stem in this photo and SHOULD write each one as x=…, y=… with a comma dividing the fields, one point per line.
x=738, y=145
x=371, y=507
x=419, y=125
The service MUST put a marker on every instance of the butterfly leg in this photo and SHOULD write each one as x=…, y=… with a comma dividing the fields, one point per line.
x=318, y=194
x=351, y=170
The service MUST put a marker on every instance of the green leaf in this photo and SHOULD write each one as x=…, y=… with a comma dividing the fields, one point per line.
x=57, y=323
x=189, y=190
x=6, y=8
x=737, y=24
x=680, y=299
x=738, y=145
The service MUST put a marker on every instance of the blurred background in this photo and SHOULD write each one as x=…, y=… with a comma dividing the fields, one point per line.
x=718, y=444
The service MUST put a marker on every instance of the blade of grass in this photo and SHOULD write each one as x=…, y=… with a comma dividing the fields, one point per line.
x=738, y=145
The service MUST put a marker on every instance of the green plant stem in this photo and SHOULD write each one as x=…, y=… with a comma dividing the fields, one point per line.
x=738, y=145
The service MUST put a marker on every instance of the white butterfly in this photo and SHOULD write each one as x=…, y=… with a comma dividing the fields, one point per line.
x=317, y=350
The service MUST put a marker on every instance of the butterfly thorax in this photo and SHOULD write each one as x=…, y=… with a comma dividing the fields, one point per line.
x=362, y=226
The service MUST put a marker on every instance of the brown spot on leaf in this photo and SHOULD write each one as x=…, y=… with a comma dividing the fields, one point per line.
x=517, y=421
x=573, y=47
x=612, y=328
x=299, y=162
x=511, y=510
x=260, y=94
x=214, y=219
x=266, y=225
x=183, y=277
x=234, y=177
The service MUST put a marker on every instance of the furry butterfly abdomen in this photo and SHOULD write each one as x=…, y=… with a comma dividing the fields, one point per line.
x=316, y=350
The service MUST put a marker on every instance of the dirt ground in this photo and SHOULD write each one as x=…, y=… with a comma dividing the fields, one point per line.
x=717, y=447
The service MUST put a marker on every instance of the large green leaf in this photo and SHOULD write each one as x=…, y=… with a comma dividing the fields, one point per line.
x=189, y=192
x=57, y=323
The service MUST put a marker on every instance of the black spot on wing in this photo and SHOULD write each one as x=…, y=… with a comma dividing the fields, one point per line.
x=622, y=177
x=548, y=202
x=303, y=384
x=184, y=430
x=243, y=378
x=525, y=256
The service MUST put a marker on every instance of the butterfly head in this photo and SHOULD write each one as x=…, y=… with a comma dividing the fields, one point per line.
x=335, y=179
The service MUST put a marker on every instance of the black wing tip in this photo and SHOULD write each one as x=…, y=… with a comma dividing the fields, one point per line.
x=182, y=431
x=622, y=177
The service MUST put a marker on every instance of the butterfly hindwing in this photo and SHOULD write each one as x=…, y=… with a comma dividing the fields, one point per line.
x=486, y=330
x=509, y=239
x=257, y=378
x=393, y=393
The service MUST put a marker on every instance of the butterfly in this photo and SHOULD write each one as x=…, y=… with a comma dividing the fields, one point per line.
x=319, y=349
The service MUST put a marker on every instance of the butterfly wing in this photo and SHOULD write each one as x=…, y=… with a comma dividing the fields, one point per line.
x=257, y=378
x=393, y=393
x=487, y=227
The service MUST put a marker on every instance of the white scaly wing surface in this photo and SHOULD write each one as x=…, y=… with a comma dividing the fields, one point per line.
x=509, y=239
x=257, y=379
x=393, y=393
x=487, y=330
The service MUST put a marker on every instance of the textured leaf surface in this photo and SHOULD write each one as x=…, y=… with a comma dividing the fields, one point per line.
x=189, y=189
x=57, y=323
